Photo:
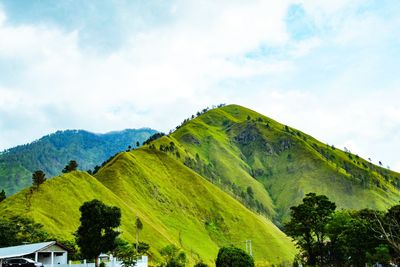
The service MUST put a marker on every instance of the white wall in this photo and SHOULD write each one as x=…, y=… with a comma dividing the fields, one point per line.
x=142, y=262
x=62, y=259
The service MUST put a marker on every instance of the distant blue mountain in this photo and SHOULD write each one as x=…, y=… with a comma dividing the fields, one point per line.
x=52, y=152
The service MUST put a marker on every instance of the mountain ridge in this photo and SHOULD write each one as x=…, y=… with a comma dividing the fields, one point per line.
x=259, y=149
x=52, y=152
x=221, y=178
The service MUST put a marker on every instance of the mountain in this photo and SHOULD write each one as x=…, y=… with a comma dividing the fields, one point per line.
x=52, y=152
x=243, y=151
x=175, y=204
x=221, y=178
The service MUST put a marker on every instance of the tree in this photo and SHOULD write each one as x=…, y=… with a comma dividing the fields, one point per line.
x=38, y=178
x=71, y=166
x=126, y=252
x=388, y=226
x=137, y=144
x=139, y=227
x=8, y=233
x=129, y=253
x=307, y=226
x=232, y=256
x=142, y=248
x=97, y=233
x=353, y=241
x=250, y=192
x=381, y=255
x=173, y=256
x=287, y=128
x=17, y=230
x=2, y=195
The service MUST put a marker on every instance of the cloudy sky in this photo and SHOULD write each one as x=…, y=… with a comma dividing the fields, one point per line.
x=329, y=68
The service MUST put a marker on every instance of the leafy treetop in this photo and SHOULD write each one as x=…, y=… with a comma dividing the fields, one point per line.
x=71, y=166
x=232, y=256
x=38, y=178
x=96, y=233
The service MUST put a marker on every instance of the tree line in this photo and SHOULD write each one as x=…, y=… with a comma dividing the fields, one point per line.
x=329, y=237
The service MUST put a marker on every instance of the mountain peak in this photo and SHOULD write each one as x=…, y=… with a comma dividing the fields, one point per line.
x=220, y=178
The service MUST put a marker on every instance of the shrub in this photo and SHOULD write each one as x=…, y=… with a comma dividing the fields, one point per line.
x=232, y=256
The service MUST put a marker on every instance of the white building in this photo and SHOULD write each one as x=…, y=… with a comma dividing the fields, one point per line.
x=49, y=253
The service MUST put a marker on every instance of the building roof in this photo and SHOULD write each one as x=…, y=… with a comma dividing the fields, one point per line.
x=22, y=250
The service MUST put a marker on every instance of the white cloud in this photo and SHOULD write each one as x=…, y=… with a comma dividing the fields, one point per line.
x=67, y=87
x=368, y=125
x=163, y=74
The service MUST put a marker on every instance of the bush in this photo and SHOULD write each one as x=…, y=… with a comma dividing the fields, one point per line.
x=200, y=264
x=173, y=256
x=232, y=256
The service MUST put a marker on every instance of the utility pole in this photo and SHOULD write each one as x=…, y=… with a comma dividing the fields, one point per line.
x=249, y=248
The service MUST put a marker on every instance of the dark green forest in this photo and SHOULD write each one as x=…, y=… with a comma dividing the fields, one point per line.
x=329, y=237
x=52, y=152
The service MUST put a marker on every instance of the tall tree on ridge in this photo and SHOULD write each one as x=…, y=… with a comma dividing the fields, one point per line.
x=38, y=178
x=72, y=166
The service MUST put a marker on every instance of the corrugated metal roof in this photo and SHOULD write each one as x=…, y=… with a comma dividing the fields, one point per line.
x=18, y=251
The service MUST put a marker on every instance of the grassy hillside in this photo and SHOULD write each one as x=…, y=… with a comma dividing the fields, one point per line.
x=175, y=204
x=52, y=152
x=219, y=179
x=237, y=148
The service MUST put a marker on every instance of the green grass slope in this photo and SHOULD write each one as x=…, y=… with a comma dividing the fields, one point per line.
x=52, y=152
x=175, y=204
x=192, y=187
x=236, y=148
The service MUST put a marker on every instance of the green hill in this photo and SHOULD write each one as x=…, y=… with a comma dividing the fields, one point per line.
x=175, y=204
x=236, y=148
x=52, y=152
x=192, y=187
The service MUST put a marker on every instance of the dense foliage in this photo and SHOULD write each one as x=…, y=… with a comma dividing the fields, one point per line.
x=18, y=230
x=307, y=226
x=343, y=238
x=97, y=233
x=233, y=257
x=128, y=252
x=51, y=152
x=153, y=138
x=173, y=256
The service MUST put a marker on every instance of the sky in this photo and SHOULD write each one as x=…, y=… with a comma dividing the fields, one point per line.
x=328, y=68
